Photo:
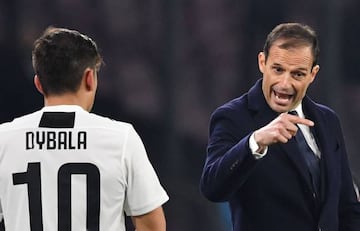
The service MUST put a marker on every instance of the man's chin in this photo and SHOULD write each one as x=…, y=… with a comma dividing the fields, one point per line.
x=279, y=108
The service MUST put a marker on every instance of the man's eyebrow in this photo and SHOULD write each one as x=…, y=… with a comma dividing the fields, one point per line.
x=301, y=69
x=296, y=69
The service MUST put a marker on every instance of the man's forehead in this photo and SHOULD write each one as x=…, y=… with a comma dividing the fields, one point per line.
x=300, y=57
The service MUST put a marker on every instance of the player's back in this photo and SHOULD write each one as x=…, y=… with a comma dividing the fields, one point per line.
x=65, y=169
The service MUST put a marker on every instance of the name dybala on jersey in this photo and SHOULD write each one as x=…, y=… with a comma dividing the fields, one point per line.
x=63, y=168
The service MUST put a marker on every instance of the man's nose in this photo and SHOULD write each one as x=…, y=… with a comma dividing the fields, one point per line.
x=285, y=80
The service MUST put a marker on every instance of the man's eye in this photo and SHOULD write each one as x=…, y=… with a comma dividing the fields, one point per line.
x=299, y=74
x=277, y=69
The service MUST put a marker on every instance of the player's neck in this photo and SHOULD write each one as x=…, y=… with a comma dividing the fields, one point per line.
x=67, y=99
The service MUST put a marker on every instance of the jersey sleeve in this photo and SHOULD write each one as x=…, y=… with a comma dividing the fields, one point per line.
x=144, y=192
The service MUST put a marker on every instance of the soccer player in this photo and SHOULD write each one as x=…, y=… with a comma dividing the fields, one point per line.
x=64, y=168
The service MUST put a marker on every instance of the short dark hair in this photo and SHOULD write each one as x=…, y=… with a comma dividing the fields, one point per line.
x=60, y=57
x=295, y=34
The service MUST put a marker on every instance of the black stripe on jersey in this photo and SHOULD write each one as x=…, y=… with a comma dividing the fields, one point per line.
x=57, y=120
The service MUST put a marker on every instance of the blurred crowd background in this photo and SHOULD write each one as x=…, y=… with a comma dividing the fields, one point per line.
x=170, y=63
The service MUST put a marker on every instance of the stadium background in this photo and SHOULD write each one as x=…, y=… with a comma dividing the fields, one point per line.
x=170, y=63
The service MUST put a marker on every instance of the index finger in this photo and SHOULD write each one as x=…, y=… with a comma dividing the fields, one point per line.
x=297, y=120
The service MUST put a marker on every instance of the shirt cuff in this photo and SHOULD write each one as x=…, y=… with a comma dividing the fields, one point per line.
x=254, y=147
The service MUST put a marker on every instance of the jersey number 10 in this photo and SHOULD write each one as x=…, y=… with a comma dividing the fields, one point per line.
x=33, y=180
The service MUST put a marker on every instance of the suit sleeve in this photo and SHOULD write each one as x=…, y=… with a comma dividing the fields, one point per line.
x=229, y=160
x=349, y=206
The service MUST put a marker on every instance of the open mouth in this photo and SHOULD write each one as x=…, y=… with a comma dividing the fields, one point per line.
x=282, y=98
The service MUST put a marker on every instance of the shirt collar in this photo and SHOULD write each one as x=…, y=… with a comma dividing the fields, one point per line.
x=299, y=110
x=65, y=108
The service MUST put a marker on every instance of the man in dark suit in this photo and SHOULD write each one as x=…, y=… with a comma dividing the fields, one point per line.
x=281, y=171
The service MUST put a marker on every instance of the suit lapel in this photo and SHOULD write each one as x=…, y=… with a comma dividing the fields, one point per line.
x=322, y=139
x=296, y=157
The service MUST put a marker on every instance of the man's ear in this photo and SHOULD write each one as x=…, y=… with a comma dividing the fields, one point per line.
x=315, y=70
x=261, y=61
x=38, y=84
x=89, y=79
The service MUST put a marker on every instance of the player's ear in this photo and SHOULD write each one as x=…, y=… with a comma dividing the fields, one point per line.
x=89, y=79
x=38, y=84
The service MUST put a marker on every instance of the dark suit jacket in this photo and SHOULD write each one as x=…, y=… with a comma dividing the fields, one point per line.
x=275, y=192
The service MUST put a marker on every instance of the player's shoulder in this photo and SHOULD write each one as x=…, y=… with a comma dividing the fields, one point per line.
x=20, y=122
x=107, y=122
